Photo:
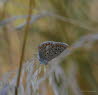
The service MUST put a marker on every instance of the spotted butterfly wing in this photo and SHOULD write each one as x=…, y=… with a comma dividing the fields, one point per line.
x=49, y=50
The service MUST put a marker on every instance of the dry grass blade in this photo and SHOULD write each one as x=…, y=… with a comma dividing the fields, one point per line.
x=23, y=47
x=80, y=43
x=45, y=14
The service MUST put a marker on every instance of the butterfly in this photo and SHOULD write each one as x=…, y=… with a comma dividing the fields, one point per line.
x=49, y=50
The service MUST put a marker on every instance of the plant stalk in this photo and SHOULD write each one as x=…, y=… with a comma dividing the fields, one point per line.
x=24, y=45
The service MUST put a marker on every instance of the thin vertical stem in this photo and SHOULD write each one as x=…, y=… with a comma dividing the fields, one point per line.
x=24, y=45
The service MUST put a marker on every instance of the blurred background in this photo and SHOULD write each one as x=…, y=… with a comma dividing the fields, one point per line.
x=53, y=20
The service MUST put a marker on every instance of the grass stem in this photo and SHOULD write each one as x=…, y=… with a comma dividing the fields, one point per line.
x=24, y=45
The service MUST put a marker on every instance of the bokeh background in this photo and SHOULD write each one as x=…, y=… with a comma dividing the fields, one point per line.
x=58, y=20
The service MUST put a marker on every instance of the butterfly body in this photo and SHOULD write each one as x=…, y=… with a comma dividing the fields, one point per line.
x=49, y=50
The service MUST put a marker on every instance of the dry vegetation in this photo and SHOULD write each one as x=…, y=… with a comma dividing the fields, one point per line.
x=24, y=24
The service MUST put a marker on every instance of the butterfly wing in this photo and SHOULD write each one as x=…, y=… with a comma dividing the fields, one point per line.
x=49, y=50
x=56, y=50
x=44, y=51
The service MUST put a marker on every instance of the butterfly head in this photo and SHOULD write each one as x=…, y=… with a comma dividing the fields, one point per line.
x=42, y=61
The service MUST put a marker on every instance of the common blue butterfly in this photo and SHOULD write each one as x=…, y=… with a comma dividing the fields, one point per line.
x=49, y=50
